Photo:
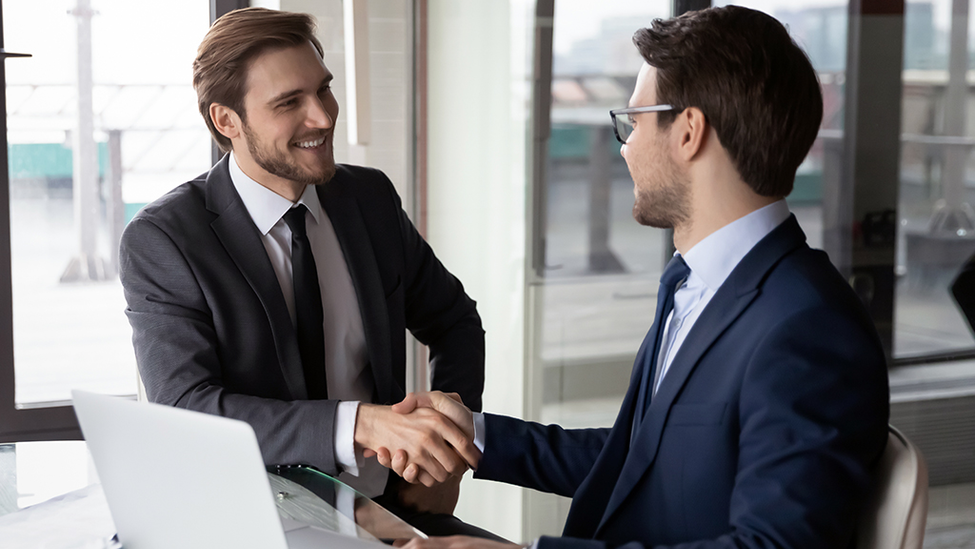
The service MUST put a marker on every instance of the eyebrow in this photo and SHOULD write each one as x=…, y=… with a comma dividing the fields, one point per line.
x=291, y=93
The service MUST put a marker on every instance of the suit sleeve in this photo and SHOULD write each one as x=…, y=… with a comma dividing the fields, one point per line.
x=812, y=419
x=176, y=350
x=442, y=316
x=543, y=457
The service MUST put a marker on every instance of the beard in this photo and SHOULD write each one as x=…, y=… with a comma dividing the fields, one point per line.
x=662, y=201
x=276, y=163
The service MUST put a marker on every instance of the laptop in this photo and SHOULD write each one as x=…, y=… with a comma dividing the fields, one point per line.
x=177, y=478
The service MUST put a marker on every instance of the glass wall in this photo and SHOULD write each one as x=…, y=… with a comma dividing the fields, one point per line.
x=593, y=288
x=886, y=190
x=936, y=229
x=601, y=267
x=101, y=120
x=933, y=222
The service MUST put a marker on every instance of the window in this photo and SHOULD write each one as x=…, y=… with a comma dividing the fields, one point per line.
x=596, y=271
x=101, y=120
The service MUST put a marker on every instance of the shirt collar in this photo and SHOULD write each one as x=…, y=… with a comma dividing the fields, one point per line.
x=265, y=206
x=714, y=257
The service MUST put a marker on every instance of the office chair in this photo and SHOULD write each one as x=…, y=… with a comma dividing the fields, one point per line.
x=963, y=290
x=897, y=508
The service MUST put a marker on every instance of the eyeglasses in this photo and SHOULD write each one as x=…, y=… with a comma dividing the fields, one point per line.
x=623, y=122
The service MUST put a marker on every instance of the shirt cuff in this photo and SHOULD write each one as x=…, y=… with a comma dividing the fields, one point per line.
x=479, y=431
x=345, y=453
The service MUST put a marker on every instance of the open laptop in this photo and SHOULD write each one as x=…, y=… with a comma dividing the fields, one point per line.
x=176, y=478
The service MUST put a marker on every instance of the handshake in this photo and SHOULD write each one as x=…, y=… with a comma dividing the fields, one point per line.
x=427, y=438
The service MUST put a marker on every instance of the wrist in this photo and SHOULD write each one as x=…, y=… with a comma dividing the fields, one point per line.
x=365, y=422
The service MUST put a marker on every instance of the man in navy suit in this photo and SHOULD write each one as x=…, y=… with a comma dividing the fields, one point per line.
x=758, y=403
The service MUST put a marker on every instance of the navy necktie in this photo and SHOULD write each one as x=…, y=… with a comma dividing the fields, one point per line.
x=674, y=275
x=308, y=305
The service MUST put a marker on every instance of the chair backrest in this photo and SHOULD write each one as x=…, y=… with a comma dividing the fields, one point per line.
x=897, y=509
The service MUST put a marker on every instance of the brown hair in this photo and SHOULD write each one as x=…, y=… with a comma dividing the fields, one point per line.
x=220, y=67
x=753, y=83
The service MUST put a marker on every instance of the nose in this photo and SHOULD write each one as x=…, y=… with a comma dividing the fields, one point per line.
x=317, y=116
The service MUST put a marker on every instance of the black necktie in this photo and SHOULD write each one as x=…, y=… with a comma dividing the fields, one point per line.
x=674, y=275
x=308, y=305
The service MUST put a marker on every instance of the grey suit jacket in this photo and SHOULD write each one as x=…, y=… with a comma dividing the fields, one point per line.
x=212, y=332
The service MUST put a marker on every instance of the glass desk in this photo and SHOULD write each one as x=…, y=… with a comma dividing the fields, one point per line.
x=50, y=497
x=309, y=496
x=34, y=472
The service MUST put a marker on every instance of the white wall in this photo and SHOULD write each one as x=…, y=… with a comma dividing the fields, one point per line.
x=478, y=108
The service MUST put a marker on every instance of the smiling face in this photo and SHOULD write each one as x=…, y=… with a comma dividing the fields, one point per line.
x=661, y=190
x=288, y=123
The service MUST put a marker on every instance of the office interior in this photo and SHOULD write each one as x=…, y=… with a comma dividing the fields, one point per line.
x=491, y=118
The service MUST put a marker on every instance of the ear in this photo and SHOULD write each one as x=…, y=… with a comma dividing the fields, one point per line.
x=225, y=120
x=692, y=132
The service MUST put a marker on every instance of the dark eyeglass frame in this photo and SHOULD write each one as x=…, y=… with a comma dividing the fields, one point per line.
x=613, y=114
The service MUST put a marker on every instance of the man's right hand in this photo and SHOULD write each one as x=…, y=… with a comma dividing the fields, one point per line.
x=432, y=441
x=451, y=407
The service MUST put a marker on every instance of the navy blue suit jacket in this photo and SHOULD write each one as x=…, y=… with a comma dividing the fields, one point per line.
x=763, y=433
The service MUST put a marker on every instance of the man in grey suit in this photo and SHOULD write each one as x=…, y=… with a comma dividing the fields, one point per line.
x=277, y=287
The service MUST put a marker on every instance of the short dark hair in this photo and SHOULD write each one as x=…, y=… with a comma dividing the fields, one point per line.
x=220, y=67
x=754, y=84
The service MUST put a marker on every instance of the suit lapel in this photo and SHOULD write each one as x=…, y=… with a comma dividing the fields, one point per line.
x=720, y=313
x=350, y=229
x=236, y=231
x=734, y=296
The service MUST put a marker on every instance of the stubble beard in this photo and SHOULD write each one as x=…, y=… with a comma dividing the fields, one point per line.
x=276, y=164
x=663, y=200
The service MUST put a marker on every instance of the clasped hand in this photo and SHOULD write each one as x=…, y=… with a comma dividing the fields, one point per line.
x=426, y=438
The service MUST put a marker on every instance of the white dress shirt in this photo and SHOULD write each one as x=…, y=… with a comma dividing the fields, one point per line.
x=347, y=375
